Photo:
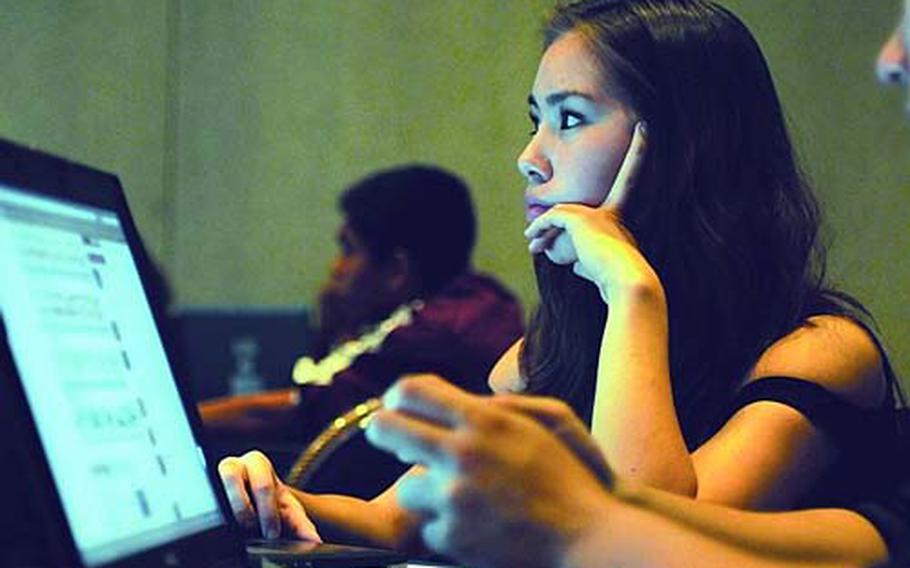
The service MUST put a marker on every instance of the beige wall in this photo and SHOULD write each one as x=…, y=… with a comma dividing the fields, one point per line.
x=281, y=105
x=235, y=124
x=854, y=141
x=87, y=79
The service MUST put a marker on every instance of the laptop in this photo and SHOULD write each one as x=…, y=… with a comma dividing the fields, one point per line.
x=234, y=349
x=108, y=439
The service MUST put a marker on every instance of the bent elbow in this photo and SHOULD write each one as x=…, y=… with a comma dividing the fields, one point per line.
x=672, y=478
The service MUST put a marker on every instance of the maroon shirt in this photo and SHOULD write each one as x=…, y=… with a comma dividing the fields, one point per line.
x=460, y=333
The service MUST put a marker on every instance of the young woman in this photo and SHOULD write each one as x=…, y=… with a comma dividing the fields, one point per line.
x=683, y=309
x=708, y=263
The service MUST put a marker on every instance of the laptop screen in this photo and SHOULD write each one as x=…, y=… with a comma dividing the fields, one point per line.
x=126, y=465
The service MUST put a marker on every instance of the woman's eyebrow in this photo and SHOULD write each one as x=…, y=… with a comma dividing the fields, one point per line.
x=554, y=99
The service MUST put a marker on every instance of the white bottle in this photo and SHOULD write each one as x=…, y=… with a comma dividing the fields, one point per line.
x=245, y=379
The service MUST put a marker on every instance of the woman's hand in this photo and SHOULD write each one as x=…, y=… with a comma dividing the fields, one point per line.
x=261, y=502
x=593, y=239
x=493, y=477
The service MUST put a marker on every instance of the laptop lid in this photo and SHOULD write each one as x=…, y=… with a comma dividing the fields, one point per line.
x=120, y=469
x=237, y=349
x=88, y=391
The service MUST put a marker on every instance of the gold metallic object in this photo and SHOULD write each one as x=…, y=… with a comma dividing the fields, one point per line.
x=341, y=429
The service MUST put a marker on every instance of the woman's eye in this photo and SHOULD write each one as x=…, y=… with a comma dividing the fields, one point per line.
x=534, y=124
x=569, y=120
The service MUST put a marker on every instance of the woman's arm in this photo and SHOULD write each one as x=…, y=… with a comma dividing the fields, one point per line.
x=768, y=453
x=266, y=505
x=378, y=522
x=670, y=531
x=634, y=418
x=257, y=413
x=655, y=528
x=640, y=524
x=493, y=474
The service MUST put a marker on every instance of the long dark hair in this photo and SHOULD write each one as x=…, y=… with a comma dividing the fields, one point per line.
x=721, y=209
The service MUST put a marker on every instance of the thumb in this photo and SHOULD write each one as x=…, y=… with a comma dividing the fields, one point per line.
x=295, y=518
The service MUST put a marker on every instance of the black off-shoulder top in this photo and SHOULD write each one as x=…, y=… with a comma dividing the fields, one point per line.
x=866, y=439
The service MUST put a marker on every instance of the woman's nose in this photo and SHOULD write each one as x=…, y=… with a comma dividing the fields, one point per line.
x=892, y=65
x=534, y=164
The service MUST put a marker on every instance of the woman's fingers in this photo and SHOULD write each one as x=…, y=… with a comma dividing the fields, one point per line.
x=544, y=241
x=550, y=412
x=419, y=492
x=551, y=233
x=628, y=171
x=428, y=396
x=261, y=501
x=264, y=487
x=296, y=519
x=412, y=440
x=549, y=221
x=233, y=477
x=562, y=218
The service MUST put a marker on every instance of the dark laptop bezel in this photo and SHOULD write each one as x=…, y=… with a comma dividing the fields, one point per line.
x=32, y=170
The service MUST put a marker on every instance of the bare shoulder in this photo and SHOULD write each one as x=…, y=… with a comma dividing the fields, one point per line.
x=506, y=375
x=833, y=351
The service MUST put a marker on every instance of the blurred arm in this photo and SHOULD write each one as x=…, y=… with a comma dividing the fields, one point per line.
x=256, y=413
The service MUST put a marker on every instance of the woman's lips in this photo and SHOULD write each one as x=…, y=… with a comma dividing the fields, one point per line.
x=535, y=210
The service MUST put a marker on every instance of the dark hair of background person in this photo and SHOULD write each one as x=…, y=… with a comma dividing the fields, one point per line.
x=422, y=210
x=721, y=209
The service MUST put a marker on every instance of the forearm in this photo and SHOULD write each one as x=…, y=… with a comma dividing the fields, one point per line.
x=252, y=413
x=379, y=522
x=643, y=539
x=634, y=418
x=670, y=530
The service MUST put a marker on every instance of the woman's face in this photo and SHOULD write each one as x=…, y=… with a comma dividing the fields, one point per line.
x=580, y=131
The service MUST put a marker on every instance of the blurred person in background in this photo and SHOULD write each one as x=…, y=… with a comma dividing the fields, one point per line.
x=401, y=297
